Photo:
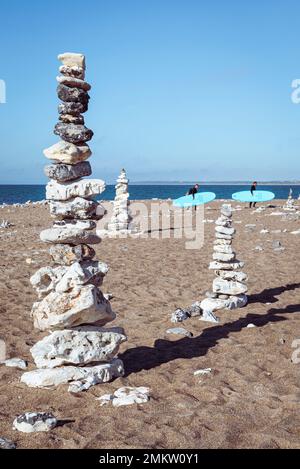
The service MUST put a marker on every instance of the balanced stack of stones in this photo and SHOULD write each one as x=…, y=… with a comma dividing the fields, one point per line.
x=290, y=203
x=78, y=349
x=229, y=288
x=121, y=216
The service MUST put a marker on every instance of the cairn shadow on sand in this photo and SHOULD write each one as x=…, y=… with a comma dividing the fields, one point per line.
x=146, y=358
x=269, y=294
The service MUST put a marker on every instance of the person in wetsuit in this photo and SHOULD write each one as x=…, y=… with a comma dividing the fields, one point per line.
x=192, y=191
x=253, y=188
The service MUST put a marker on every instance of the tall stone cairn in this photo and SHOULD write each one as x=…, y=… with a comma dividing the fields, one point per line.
x=78, y=349
x=121, y=217
x=229, y=288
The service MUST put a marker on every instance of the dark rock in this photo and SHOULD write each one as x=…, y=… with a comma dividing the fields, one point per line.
x=75, y=72
x=63, y=254
x=74, y=109
x=72, y=95
x=73, y=133
x=7, y=444
x=68, y=172
x=195, y=310
x=69, y=119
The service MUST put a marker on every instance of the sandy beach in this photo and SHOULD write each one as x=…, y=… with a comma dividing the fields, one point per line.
x=250, y=399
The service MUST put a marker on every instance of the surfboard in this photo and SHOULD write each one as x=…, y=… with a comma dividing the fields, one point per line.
x=258, y=196
x=200, y=199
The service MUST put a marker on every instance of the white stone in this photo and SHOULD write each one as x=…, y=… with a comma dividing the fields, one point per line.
x=73, y=82
x=237, y=301
x=69, y=235
x=226, y=265
x=126, y=396
x=88, y=225
x=222, y=242
x=82, y=377
x=81, y=274
x=66, y=152
x=228, y=287
x=223, y=257
x=15, y=363
x=212, y=304
x=223, y=248
x=204, y=371
x=232, y=275
x=82, y=305
x=224, y=236
x=80, y=346
x=76, y=208
x=71, y=59
x=80, y=188
x=31, y=422
x=224, y=230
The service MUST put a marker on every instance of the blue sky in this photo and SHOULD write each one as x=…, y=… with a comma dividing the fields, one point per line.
x=182, y=89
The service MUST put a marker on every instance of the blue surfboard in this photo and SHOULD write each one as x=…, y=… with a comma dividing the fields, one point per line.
x=258, y=196
x=200, y=199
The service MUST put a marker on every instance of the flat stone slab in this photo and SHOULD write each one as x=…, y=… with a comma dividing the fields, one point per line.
x=80, y=378
x=69, y=235
x=82, y=188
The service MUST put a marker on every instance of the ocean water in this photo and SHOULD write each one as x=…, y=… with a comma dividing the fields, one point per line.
x=10, y=194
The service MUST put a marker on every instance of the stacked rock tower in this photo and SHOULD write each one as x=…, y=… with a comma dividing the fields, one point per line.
x=121, y=216
x=71, y=306
x=229, y=289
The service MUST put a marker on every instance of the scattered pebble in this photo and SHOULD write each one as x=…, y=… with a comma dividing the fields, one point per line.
x=179, y=315
x=15, y=363
x=7, y=444
x=126, y=396
x=179, y=331
x=204, y=371
x=251, y=325
x=35, y=422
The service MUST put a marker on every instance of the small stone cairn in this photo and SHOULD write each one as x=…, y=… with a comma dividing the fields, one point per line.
x=290, y=203
x=121, y=218
x=229, y=289
x=71, y=306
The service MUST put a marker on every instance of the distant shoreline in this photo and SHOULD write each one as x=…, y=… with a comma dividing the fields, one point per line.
x=186, y=183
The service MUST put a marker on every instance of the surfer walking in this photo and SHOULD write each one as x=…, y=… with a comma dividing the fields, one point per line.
x=192, y=191
x=253, y=188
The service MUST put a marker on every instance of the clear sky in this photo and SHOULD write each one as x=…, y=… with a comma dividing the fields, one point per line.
x=182, y=89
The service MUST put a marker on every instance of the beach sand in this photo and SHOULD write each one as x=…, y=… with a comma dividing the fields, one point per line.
x=252, y=396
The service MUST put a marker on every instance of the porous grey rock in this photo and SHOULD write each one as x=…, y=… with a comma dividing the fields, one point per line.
x=179, y=315
x=31, y=422
x=82, y=305
x=69, y=235
x=232, y=275
x=64, y=278
x=76, y=134
x=81, y=188
x=80, y=224
x=72, y=95
x=66, y=152
x=66, y=172
x=75, y=109
x=69, y=119
x=79, y=346
x=75, y=208
x=7, y=444
x=82, y=378
x=63, y=254
x=73, y=82
x=74, y=71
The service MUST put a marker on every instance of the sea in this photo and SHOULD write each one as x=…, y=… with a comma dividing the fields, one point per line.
x=10, y=194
